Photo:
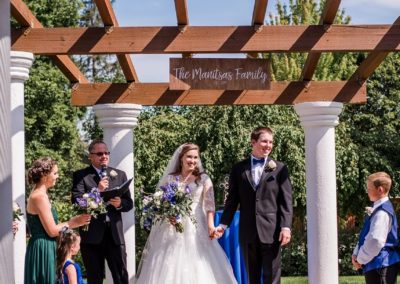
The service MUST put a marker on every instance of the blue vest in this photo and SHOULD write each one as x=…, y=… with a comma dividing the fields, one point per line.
x=388, y=254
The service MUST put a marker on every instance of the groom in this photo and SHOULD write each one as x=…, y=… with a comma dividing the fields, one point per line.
x=262, y=188
x=105, y=238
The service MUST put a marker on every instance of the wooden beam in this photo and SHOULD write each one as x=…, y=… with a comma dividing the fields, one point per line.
x=217, y=39
x=106, y=12
x=24, y=16
x=368, y=66
x=107, y=15
x=181, y=12
x=327, y=18
x=182, y=19
x=157, y=94
x=260, y=8
x=257, y=21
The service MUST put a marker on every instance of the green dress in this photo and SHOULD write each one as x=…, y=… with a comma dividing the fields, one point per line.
x=40, y=258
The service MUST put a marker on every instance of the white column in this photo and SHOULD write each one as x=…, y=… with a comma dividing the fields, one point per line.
x=20, y=64
x=117, y=122
x=319, y=120
x=6, y=239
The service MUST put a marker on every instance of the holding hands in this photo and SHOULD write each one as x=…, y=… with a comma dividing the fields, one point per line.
x=215, y=232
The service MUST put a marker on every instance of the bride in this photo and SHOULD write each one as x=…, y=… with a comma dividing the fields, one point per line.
x=192, y=256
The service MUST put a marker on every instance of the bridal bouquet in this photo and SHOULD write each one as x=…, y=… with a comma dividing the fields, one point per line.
x=171, y=202
x=90, y=203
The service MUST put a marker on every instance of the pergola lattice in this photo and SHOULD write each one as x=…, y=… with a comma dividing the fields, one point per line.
x=256, y=38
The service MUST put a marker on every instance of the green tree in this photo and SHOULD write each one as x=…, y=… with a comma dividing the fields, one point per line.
x=50, y=120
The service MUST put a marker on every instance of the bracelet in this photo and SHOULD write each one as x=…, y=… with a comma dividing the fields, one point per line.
x=64, y=229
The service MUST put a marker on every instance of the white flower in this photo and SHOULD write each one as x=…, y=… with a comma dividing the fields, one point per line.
x=85, y=195
x=271, y=165
x=16, y=206
x=146, y=200
x=93, y=204
x=157, y=194
x=113, y=173
x=368, y=210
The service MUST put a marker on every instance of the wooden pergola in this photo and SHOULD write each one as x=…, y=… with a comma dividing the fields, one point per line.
x=60, y=43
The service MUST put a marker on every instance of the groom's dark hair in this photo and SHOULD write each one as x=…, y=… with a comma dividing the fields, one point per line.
x=255, y=134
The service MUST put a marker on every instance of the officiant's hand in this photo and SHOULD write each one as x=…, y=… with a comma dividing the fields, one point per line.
x=116, y=202
x=284, y=236
x=103, y=184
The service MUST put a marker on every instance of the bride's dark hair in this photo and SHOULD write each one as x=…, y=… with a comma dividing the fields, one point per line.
x=178, y=166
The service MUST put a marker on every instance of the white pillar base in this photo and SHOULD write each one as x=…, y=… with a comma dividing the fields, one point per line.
x=117, y=122
x=319, y=120
x=20, y=64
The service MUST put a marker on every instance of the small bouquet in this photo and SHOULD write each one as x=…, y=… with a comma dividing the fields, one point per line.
x=170, y=201
x=17, y=212
x=90, y=203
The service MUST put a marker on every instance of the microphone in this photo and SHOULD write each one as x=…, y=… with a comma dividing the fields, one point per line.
x=103, y=172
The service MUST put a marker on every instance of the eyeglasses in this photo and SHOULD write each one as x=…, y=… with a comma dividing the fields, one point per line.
x=99, y=154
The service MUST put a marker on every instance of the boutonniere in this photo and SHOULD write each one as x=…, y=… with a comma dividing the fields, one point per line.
x=368, y=210
x=270, y=166
x=113, y=173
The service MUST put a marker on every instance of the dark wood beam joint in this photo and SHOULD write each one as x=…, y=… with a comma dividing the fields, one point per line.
x=307, y=84
x=182, y=28
x=27, y=31
x=187, y=55
x=327, y=27
x=109, y=29
x=258, y=28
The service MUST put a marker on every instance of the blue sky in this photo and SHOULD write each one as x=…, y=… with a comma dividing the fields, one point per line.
x=155, y=68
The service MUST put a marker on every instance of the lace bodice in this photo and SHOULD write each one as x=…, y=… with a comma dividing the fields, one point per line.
x=202, y=193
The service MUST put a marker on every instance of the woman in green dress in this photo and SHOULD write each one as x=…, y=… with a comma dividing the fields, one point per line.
x=40, y=258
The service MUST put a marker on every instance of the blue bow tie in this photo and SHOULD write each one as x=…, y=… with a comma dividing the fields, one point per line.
x=258, y=161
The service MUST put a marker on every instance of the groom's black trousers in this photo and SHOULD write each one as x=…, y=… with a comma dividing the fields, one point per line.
x=262, y=257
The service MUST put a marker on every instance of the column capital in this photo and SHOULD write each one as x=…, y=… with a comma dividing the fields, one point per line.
x=319, y=113
x=20, y=63
x=117, y=115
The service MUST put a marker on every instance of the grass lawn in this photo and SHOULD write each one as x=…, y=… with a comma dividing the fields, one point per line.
x=342, y=280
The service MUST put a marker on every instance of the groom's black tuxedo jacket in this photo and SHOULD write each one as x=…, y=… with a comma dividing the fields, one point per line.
x=264, y=209
x=86, y=179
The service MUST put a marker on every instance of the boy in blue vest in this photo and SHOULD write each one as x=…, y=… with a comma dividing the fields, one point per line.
x=376, y=251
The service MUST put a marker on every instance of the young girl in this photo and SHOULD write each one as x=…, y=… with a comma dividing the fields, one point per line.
x=68, y=245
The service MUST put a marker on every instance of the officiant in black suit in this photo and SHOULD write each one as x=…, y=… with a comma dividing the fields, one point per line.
x=262, y=188
x=105, y=238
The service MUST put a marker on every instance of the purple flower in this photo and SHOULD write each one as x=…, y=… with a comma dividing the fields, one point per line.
x=82, y=202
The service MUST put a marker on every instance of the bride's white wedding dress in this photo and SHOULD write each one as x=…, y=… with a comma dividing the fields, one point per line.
x=189, y=257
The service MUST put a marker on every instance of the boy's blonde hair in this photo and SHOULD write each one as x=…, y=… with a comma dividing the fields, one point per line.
x=381, y=179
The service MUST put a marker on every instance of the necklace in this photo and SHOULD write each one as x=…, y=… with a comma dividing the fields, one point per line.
x=185, y=178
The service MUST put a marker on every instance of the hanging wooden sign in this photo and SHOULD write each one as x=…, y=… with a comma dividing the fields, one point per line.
x=219, y=74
